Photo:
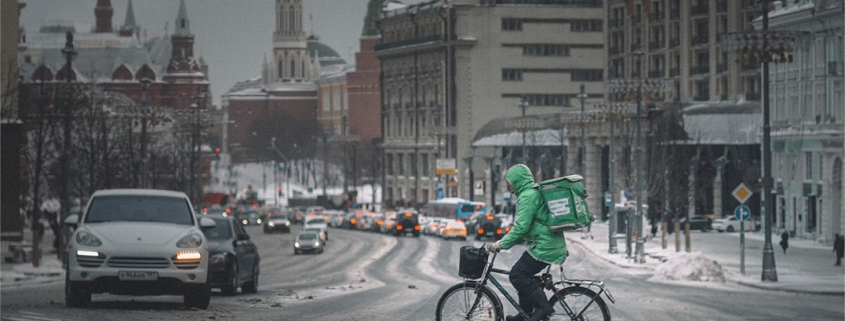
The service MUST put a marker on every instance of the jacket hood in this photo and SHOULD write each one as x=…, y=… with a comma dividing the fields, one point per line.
x=520, y=177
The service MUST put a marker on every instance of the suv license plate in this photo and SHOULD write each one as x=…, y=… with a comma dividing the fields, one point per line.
x=137, y=276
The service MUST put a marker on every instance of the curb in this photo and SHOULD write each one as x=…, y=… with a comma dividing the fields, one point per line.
x=26, y=284
x=756, y=286
x=568, y=239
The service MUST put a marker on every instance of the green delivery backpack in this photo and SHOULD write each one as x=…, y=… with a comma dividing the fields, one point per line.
x=564, y=197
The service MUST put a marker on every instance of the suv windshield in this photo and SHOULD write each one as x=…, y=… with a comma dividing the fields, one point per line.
x=139, y=208
x=313, y=230
x=307, y=236
x=316, y=221
x=223, y=230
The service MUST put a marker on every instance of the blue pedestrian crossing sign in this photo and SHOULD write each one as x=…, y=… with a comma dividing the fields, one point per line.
x=440, y=193
x=742, y=213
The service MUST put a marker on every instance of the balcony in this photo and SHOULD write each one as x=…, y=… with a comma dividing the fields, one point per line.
x=655, y=45
x=674, y=72
x=657, y=17
x=674, y=42
x=699, y=70
x=752, y=96
x=656, y=73
x=700, y=40
x=701, y=10
x=722, y=67
x=674, y=14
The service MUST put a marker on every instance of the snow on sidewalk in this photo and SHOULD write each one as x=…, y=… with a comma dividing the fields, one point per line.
x=24, y=274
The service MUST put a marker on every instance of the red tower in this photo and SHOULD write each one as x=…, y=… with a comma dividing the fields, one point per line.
x=104, y=12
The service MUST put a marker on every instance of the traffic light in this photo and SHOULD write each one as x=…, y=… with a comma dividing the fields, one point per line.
x=217, y=150
x=280, y=191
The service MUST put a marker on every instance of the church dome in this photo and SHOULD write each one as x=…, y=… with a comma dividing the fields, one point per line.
x=326, y=54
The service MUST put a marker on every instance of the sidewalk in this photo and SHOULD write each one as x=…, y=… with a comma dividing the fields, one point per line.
x=14, y=275
x=806, y=268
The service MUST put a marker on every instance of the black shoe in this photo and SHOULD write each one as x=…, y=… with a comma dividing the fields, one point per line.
x=542, y=308
x=517, y=317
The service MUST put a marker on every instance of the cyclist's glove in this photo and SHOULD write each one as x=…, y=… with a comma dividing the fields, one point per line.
x=495, y=247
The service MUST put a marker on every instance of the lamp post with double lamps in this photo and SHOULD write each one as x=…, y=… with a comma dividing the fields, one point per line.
x=654, y=86
x=766, y=46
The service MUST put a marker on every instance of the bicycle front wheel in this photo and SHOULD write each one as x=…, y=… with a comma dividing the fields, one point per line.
x=456, y=302
x=582, y=303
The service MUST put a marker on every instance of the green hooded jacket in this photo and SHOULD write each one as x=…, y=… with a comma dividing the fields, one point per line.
x=531, y=217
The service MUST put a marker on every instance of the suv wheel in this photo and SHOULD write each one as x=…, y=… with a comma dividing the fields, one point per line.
x=198, y=297
x=730, y=229
x=232, y=288
x=75, y=297
x=252, y=286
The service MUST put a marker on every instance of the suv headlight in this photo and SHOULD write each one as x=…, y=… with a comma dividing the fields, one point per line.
x=190, y=240
x=87, y=239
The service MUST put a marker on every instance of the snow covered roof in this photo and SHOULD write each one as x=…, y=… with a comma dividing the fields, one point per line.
x=545, y=137
x=723, y=123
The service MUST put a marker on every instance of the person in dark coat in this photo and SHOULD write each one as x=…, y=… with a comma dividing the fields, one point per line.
x=784, y=241
x=839, y=248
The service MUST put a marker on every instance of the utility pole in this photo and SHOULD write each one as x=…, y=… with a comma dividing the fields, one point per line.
x=769, y=270
x=145, y=112
x=64, y=189
x=612, y=248
x=582, y=95
x=641, y=189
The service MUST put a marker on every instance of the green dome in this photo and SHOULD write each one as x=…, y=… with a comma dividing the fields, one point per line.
x=327, y=55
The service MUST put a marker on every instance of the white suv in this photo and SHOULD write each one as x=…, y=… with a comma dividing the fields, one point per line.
x=138, y=242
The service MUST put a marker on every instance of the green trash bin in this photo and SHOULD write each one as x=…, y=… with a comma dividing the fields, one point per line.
x=564, y=196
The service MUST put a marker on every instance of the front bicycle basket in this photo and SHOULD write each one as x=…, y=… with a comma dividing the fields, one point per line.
x=472, y=263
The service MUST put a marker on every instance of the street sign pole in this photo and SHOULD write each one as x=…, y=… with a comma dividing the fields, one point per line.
x=742, y=214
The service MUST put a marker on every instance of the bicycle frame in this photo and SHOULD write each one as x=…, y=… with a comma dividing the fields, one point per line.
x=545, y=279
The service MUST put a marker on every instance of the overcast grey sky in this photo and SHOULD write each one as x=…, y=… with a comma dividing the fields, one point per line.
x=232, y=35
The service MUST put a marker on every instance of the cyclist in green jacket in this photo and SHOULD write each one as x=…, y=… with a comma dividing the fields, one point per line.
x=544, y=247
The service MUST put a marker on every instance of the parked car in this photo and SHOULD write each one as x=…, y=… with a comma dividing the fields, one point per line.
x=731, y=224
x=307, y=242
x=127, y=236
x=233, y=259
x=698, y=222
x=454, y=229
x=277, y=221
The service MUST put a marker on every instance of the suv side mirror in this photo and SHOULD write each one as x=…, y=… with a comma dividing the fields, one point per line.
x=207, y=224
x=72, y=221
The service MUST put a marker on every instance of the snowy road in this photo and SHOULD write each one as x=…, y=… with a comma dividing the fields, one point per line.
x=364, y=276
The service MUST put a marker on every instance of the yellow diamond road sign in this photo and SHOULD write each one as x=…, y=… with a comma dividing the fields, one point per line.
x=742, y=193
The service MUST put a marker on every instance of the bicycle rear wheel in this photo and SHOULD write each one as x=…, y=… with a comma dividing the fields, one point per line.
x=578, y=298
x=456, y=302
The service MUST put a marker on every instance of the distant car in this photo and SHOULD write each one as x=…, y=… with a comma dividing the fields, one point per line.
x=442, y=226
x=430, y=227
x=324, y=236
x=234, y=260
x=314, y=211
x=731, y=224
x=488, y=226
x=454, y=229
x=297, y=215
x=129, y=237
x=698, y=222
x=389, y=223
x=407, y=222
x=317, y=223
x=276, y=221
x=250, y=218
x=307, y=242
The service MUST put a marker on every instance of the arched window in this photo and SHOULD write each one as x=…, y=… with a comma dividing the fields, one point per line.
x=42, y=74
x=121, y=73
x=304, y=70
x=281, y=75
x=292, y=19
x=145, y=72
x=280, y=18
x=292, y=68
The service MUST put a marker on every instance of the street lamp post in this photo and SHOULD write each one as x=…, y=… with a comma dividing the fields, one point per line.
x=641, y=189
x=145, y=113
x=767, y=46
x=582, y=95
x=524, y=105
x=69, y=52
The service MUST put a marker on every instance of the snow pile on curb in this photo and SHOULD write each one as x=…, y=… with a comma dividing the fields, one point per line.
x=689, y=267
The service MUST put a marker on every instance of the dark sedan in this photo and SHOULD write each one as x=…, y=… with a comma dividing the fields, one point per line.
x=276, y=221
x=698, y=222
x=234, y=259
x=308, y=242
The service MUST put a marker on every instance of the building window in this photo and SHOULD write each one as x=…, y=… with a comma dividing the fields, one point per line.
x=585, y=25
x=512, y=74
x=326, y=101
x=390, y=164
x=545, y=50
x=587, y=75
x=560, y=100
x=809, y=165
x=509, y=24
x=425, y=165
x=401, y=163
x=414, y=165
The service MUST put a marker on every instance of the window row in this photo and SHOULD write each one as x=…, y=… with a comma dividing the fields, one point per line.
x=398, y=163
x=560, y=100
x=576, y=74
x=577, y=25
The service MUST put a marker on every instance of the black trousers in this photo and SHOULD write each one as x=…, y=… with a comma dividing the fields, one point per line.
x=523, y=278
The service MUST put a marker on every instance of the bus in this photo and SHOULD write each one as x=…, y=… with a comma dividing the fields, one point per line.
x=453, y=208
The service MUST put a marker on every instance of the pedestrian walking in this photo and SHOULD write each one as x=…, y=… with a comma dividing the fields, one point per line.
x=784, y=241
x=839, y=248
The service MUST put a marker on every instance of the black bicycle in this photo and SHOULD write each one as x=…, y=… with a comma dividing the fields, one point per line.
x=473, y=300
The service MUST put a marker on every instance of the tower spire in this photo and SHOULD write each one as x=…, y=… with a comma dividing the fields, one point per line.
x=129, y=26
x=183, y=25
